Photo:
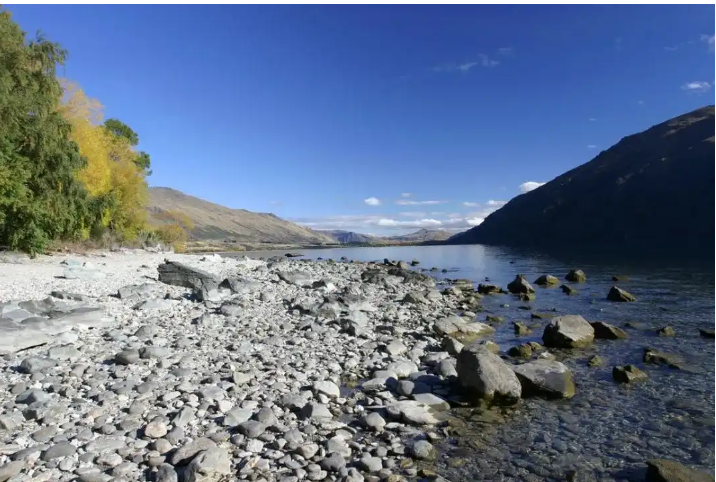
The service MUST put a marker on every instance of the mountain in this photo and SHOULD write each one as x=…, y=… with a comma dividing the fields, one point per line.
x=349, y=237
x=215, y=222
x=422, y=235
x=652, y=191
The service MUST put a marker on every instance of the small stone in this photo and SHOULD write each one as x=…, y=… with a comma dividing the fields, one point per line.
x=127, y=357
x=595, y=361
x=252, y=428
x=423, y=450
x=36, y=364
x=374, y=421
x=11, y=469
x=63, y=449
x=605, y=331
x=155, y=429
x=111, y=459
x=618, y=294
x=521, y=329
x=329, y=389
x=166, y=473
x=576, y=276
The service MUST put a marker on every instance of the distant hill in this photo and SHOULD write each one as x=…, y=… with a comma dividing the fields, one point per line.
x=349, y=237
x=215, y=222
x=652, y=191
x=421, y=236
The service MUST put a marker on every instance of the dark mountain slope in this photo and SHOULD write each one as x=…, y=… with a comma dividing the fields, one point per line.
x=652, y=191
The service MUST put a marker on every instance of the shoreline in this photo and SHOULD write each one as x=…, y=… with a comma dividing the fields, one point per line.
x=292, y=370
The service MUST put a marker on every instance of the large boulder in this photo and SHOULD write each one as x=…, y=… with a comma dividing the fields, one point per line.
x=547, y=280
x=297, y=278
x=663, y=470
x=569, y=331
x=179, y=274
x=520, y=285
x=618, y=294
x=487, y=377
x=213, y=465
x=548, y=378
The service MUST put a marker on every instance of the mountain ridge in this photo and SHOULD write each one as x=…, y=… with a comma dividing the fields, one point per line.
x=624, y=198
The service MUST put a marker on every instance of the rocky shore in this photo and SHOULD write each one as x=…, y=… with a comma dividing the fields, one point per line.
x=150, y=366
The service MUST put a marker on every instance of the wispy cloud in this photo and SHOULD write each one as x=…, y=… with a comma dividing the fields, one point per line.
x=640, y=102
x=709, y=39
x=696, y=86
x=470, y=204
x=506, y=51
x=413, y=214
x=492, y=202
x=486, y=61
x=372, y=201
x=406, y=202
x=530, y=186
x=405, y=194
x=592, y=119
x=463, y=67
x=591, y=146
x=275, y=203
x=618, y=44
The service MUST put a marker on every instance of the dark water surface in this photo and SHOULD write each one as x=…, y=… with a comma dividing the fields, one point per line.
x=606, y=431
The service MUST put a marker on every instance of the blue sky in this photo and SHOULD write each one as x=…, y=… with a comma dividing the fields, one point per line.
x=380, y=118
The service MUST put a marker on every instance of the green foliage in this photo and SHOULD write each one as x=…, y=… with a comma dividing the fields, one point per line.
x=123, y=131
x=40, y=196
x=174, y=229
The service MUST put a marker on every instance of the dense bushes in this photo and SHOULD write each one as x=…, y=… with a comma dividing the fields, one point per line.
x=64, y=174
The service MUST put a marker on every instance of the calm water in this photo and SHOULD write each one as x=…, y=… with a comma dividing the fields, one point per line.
x=606, y=431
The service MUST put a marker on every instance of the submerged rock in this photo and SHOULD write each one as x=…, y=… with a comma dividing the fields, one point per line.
x=486, y=376
x=666, y=331
x=661, y=358
x=569, y=331
x=618, y=294
x=550, y=379
x=628, y=374
x=488, y=289
x=663, y=470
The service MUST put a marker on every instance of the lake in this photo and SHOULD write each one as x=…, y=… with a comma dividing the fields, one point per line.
x=607, y=431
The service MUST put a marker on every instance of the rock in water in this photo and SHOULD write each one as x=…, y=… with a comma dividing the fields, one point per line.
x=576, y=276
x=178, y=274
x=628, y=374
x=661, y=358
x=662, y=470
x=551, y=379
x=666, y=331
x=520, y=285
x=618, y=294
x=706, y=333
x=486, y=289
x=605, y=331
x=569, y=331
x=568, y=290
x=487, y=376
x=547, y=280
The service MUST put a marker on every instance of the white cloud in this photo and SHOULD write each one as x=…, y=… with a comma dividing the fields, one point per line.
x=466, y=66
x=709, y=39
x=404, y=202
x=530, y=186
x=591, y=146
x=487, y=61
x=418, y=223
x=470, y=204
x=474, y=221
x=413, y=214
x=405, y=194
x=492, y=202
x=696, y=86
x=372, y=201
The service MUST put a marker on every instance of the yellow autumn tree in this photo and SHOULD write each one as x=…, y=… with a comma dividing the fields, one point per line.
x=112, y=173
x=174, y=228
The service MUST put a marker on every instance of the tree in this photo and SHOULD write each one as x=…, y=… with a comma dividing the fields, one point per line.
x=40, y=197
x=174, y=228
x=122, y=130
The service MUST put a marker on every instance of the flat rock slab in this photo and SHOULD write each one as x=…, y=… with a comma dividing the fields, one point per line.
x=38, y=330
x=569, y=331
x=662, y=470
x=179, y=274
